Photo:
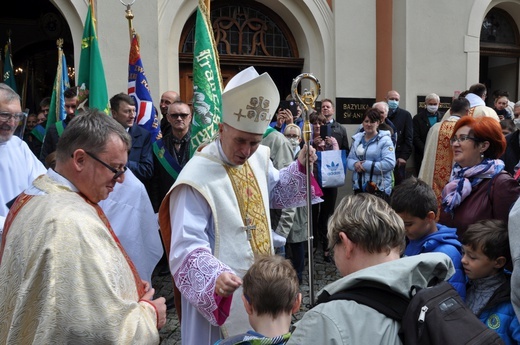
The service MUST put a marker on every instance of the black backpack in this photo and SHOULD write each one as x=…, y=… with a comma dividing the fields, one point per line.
x=435, y=315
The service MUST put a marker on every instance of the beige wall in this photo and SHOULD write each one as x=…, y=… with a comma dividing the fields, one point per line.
x=435, y=43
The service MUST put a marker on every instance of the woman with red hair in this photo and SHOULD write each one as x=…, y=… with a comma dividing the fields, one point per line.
x=479, y=187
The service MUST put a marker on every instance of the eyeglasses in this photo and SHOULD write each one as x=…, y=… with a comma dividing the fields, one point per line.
x=462, y=138
x=176, y=115
x=116, y=172
x=292, y=136
x=331, y=249
x=7, y=116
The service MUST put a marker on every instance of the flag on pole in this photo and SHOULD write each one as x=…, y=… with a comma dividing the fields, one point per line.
x=139, y=90
x=207, y=82
x=61, y=83
x=8, y=67
x=91, y=77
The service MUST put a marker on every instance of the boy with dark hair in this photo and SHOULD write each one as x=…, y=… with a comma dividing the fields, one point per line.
x=415, y=202
x=271, y=296
x=486, y=252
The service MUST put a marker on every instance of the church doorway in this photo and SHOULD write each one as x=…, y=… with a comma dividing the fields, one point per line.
x=500, y=54
x=33, y=27
x=249, y=34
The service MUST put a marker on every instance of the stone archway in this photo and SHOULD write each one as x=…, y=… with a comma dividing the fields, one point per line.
x=246, y=34
x=34, y=31
x=473, y=48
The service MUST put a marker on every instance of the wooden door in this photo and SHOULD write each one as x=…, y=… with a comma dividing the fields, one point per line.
x=186, y=80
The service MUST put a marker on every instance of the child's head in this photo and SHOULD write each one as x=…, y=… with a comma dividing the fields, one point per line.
x=292, y=131
x=293, y=134
x=271, y=287
x=486, y=248
x=415, y=202
x=508, y=126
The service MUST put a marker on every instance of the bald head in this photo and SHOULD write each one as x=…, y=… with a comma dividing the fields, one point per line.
x=168, y=98
x=393, y=95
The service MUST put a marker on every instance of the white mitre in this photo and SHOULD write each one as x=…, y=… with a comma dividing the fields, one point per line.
x=249, y=101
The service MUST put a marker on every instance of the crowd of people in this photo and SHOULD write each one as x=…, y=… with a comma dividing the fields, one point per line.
x=91, y=206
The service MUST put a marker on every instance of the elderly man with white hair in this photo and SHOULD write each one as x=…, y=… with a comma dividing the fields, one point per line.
x=18, y=166
x=382, y=107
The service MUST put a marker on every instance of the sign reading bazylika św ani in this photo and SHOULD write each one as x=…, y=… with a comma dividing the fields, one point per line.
x=350, y=111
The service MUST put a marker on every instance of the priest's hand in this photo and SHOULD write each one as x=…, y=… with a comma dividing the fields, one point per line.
x=226, y=284
x=160, y=307
x=146, y=285
x=302, y=156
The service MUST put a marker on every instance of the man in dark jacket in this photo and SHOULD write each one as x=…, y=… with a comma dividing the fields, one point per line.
x=402, y=119
x=140, y=159
x=511, y=156
x=172, y=152
x=422, y=122
x=330, y=194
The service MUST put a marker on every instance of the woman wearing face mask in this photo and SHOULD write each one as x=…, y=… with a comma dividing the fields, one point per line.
x=479, y=187
x=422, y=122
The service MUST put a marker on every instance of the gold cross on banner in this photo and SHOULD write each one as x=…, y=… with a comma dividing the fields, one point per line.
x=249, y=228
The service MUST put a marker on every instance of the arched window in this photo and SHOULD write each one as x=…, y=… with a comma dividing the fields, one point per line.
x=249, y=29
x=247, y=33
x=499, y=34
x=499, y=53
x=243, y=30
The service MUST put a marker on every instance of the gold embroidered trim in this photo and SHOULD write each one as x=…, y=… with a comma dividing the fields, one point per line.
x=251, y=206
x=443, y=160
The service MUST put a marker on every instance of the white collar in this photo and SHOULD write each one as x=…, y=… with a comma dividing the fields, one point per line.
x=474, y=100
x=61, y=180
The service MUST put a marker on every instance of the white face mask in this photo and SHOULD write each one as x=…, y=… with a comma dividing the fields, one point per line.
x=517, y=122
x=294, y=142
x=432, y=108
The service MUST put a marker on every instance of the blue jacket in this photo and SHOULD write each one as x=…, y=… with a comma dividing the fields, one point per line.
x=444, y=240
x=499, y=315
x=140, y=158
x=393, y=134
x=379, y=150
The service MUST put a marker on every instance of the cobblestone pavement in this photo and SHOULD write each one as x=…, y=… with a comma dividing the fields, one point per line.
x=325, y=273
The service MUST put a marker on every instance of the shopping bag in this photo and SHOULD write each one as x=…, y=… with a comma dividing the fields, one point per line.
x=331, y=167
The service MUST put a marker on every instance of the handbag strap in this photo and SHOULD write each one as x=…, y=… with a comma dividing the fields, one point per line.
x=360, y=181
x=372, y=170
